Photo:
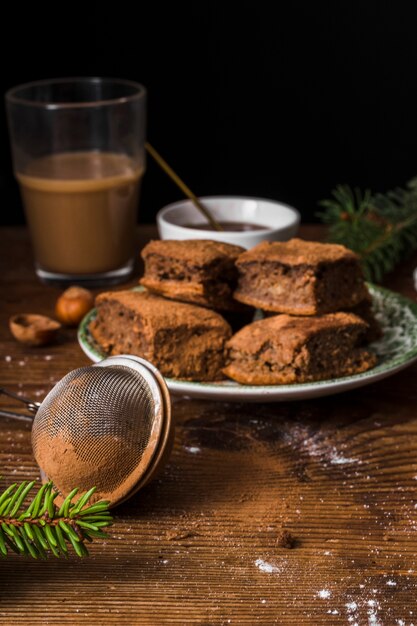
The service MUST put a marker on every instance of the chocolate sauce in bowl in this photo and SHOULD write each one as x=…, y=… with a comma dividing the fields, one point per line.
x=228, y=226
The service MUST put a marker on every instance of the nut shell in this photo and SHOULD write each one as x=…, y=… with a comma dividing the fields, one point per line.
x=34, y=330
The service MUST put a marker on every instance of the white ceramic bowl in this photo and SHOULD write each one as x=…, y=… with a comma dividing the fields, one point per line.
x=280, y=220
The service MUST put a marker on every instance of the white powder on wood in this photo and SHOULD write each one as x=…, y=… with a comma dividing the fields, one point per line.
x=269, y=568
x=193, y=449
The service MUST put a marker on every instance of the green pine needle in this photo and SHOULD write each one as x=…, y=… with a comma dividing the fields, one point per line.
x=41, y=527
x=380, y=228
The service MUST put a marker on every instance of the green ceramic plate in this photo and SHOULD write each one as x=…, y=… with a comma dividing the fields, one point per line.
x=396, y=350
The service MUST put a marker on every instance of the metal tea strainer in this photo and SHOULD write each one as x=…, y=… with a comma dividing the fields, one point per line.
x=106, y=425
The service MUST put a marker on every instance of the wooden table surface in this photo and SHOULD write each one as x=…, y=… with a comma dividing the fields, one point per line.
x=201, y=544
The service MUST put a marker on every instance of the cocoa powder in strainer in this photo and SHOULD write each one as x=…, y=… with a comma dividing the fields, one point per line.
x=61, y=461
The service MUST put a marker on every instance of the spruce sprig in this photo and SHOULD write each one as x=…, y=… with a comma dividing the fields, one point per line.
x=380, y=228
x=42, y=528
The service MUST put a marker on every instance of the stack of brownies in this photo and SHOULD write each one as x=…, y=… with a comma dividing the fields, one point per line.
x=317, y=312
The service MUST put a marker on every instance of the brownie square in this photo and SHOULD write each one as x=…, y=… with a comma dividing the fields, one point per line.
x=181, y=340
x=198, y=271
x=283, y=349
x=300, y=277
x=365, y=311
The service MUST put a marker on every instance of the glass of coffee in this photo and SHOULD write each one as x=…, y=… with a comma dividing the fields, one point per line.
x=78, y=147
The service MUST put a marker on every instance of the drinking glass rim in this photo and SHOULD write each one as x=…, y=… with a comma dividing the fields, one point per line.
x=11, y=96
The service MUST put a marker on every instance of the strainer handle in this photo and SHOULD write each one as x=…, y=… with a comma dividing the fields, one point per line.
x=31, y=405
x=17, y=416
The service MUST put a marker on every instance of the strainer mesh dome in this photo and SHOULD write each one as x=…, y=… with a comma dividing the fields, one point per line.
x=96, y=427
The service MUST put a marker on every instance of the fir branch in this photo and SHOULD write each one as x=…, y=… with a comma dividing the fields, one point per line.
x=42, y=527
x=380, y=228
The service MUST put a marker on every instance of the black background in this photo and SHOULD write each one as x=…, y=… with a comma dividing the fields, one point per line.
x=252, y=98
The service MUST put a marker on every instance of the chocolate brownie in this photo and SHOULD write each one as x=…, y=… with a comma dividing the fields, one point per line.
x=300, y=277
x=199, y=271
x=365, y=311
x=181, y=340
x=282, y=349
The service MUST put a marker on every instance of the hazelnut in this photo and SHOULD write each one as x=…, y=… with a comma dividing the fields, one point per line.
x=34, y=330
x=73, y=305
